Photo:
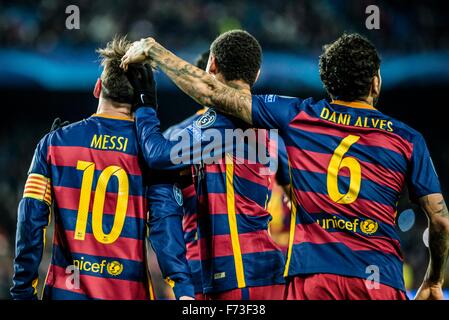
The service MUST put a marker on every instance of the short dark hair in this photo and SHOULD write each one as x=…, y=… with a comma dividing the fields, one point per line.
x=115, y=84
x=238, y=55
x=201, y=61
x=347, y=67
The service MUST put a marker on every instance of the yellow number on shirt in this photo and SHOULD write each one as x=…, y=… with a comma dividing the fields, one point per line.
x=355, y=173
x=88, y=169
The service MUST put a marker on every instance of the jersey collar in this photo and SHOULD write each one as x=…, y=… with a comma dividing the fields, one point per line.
x=107, y=116
x=354, y=104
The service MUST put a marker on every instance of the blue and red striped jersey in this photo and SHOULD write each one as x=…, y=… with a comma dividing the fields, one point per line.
x=348, y=165
x=104, y=201
x=235, y=248
x=189, y=221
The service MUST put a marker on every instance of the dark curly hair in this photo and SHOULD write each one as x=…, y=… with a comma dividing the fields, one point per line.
x=347, y=67
x=238, y=55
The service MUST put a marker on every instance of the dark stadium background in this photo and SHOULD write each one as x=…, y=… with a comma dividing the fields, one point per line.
x=47, y=71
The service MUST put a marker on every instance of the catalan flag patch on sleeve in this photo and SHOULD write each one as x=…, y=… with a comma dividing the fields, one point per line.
x=38, y=187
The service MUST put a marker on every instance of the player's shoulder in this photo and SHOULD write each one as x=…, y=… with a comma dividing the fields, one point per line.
x=183, y=124
x=278, y=99
x=75, y=128
x=212, y=119
x=404, y=130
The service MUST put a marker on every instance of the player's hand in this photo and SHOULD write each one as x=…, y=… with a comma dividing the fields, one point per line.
x=186, y=298
x=430, y=292
x=142, y=80
x=57, y=123
x=137, y=53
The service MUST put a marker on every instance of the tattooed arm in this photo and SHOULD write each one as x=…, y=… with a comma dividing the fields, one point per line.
x=196, y=83
x=438, y=216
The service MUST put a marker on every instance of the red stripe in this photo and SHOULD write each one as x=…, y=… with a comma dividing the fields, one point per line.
x=317, y=203
x=216, y=201
x=122, y=248
x=369, y=136
x=39, y=183
x=318, y=162
x=34, y=190
x=68, y=198
x=189, y=222
x=99, y=288
x=189, y=191
x=69, y=156
x=313, y=233
x=254, y=172
x=37, y=179
x=251, y=242
x=193, y=251
x=249, y=207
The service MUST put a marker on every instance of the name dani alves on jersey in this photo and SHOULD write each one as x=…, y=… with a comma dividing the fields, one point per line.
x=359, y=121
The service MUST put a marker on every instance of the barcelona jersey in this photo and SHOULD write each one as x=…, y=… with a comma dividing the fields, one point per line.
x=348, y=165
x=189, y=222
x=235, y=248
x=104, y=204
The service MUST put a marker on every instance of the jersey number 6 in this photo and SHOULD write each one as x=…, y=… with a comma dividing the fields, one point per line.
x=355, y=173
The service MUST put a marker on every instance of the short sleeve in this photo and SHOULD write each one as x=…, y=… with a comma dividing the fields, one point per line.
x=273, y=111
x=423, y=179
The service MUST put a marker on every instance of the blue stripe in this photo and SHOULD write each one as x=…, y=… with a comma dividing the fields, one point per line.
x=327, y=144
x=261, y=269
x=134, y=228
x=189, y=205
x=218, y=224
x=190, y=236
x=336, y=258
x=317, y=182
x=70, y=177
x=132, y=270
x=245, y=294
x=216, y=183
x=264, y=268
x=51, y=293
x=195, y=269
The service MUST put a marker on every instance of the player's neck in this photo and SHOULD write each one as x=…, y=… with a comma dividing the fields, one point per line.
x=109, y=108
x=239, y=85
x=368, y=100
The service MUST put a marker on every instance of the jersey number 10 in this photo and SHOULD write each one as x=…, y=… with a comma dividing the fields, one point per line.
x=88, y=169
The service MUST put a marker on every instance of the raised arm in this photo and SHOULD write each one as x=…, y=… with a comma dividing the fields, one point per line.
x=199, y=85
x=435, y=208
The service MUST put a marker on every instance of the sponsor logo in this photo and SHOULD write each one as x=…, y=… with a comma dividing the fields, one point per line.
x=367, y=226
x=114, y=268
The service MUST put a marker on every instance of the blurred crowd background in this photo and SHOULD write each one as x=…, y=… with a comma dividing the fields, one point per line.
x=48, y=71
x=286, y=25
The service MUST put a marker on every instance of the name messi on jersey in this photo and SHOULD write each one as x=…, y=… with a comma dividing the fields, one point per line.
x=107, y=142
x=360, y=121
